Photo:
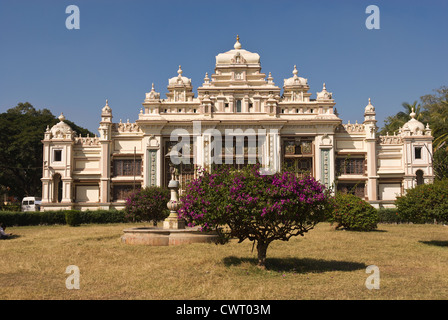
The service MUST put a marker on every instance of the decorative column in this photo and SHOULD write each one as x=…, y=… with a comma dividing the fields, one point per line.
x=325, y=159
x=371, y=158
x=105, y=130
x=173, y=221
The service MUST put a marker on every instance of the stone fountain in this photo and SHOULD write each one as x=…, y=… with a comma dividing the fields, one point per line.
x=173, y=232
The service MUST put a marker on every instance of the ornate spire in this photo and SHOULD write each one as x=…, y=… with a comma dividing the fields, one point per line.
x=270, y=79
x=295, y=71
x=237, y=45
x=179, y=72
x=206, y=78
x=61, y=117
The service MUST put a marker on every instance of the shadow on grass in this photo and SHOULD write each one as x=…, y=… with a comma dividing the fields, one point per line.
x=437, y=243
x=13, y=236
x=305, y=265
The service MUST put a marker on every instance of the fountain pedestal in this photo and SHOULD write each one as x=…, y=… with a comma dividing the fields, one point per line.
x=173, y=232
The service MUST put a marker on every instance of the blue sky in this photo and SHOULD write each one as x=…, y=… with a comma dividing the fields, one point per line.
x=124, y=46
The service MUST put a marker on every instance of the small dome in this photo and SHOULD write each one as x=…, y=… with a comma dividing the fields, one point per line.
x=295, y=80
x=324, y=94
x=61, y=128
x=179, y=80
x=106, y=109
x=413, y=125
x=369, y=108
x=152, y=95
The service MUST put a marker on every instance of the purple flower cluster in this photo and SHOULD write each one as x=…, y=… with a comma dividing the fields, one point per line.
x=226, y=196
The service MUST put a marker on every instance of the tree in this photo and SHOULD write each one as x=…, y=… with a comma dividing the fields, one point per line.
x=21, y=131
x=436, y=105
x=148, y=204
x=245, y=204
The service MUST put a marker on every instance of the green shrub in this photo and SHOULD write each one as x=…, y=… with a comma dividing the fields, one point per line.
x=73, y=218
x=148, y=204
x=353, y=213
x=31, y=218
x=425, y=203
x=102, y=216
x=389, y=215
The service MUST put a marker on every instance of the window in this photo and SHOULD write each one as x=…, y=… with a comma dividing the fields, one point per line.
x=350, y=166
x=418, y=152
x=122, y=192
x=127, y=168
x=419, y=177
x=250, y=107
x=238, y=105
x=57, y=155
x=357, y=189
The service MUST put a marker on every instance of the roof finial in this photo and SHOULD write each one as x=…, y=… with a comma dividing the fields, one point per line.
x=412, y=114
x=180, y=71
x=61, y=117
x=237, y=43
x=295, y=71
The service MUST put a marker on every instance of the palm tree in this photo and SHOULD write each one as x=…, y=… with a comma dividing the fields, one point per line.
x=440, y=122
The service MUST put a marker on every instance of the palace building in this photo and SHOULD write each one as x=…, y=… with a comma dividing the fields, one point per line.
x=282, y=126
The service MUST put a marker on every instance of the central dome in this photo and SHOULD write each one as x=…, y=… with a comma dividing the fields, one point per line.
x=238, y=55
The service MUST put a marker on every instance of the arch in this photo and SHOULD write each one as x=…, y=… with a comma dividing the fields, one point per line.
x=419, y=177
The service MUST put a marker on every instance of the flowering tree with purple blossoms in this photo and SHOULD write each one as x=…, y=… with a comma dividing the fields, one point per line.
x=148, y=204
x=245, y=204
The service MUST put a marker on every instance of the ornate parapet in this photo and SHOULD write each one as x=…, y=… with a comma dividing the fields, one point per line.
x=125, y=127
x=351, y=128
x=87, y=141
x=390, y=139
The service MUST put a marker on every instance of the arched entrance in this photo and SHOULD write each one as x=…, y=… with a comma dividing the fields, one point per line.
x=57, y=188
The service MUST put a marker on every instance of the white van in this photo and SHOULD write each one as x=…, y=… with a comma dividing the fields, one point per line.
x=31, y=204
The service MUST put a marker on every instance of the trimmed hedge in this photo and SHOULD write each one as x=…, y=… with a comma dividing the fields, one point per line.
x=70, y=217
x=390, y=215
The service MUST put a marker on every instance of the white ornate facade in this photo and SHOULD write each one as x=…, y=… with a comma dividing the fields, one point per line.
x=288, y=127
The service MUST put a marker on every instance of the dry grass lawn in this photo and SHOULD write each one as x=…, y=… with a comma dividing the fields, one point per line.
x=324, y=264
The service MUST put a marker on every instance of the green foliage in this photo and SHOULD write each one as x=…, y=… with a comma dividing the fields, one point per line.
x=389, y=215
x=353, y=213
x=60, y=217
x=440, y=163
x=102, y=216
x=425, y=203
x=73, y=218
x=21, y=131
x=393, y=123
x=148, y=204
x=32, y=218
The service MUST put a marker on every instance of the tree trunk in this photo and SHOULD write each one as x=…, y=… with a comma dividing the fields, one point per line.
x=262, y=247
